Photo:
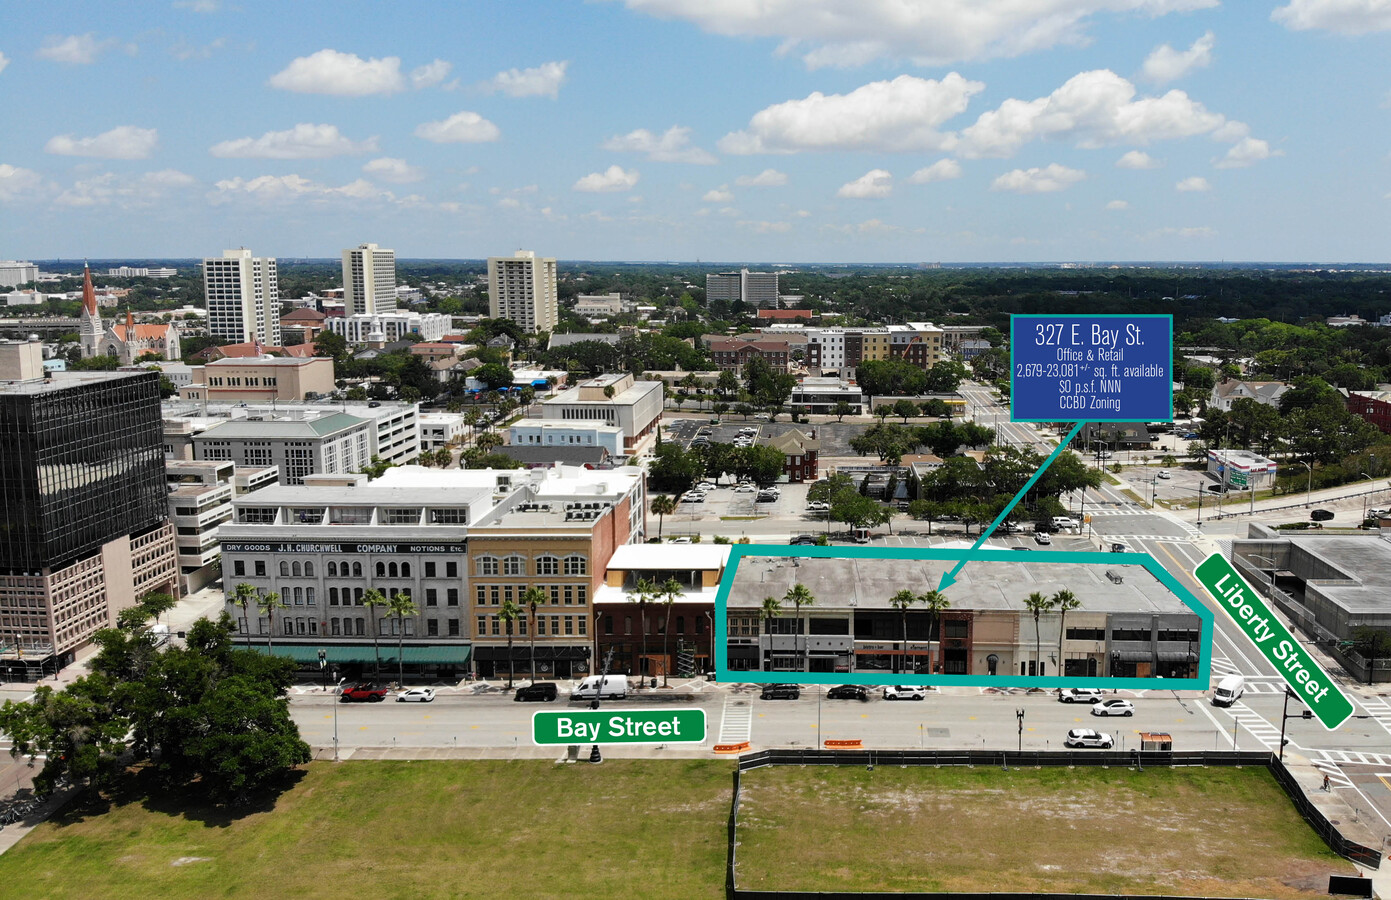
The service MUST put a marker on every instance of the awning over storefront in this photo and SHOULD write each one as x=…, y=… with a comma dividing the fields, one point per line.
x=1133, y=655
x=440, y=654
x=522, y=653
x=1177, y=656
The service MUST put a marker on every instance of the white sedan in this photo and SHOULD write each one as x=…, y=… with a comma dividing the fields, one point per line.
x=1113, y=707
x=818, y=506
x=416, y=695
x=745, y=488
x=1085, y=737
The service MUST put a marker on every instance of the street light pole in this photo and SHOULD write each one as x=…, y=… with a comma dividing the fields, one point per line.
x=1308, y=494
x=337, y=692
x=1019, y=713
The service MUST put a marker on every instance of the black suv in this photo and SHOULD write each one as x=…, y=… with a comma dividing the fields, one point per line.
x=541, y=692
x=780, y=692
x=848, y=692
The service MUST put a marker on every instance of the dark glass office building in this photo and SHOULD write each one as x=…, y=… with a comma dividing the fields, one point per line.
x=81, y=463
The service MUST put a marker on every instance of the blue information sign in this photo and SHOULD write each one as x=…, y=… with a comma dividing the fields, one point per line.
x=1091, y=368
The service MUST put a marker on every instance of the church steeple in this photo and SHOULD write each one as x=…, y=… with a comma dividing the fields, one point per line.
x=89, y=294
x=89, y=328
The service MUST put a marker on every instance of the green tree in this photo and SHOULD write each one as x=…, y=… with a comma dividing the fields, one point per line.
x=532, y=598
x=328, y=343
x=75, y=730
x=671, y=590
x=1037, y=604
x=243, y=597
x=770, y=609
x=647, y=592
x=936, y=603
x=841, y=410
x=800, y=595
x=374, y=599
x=494, y=376
x=727, y=384
x=266, y=605
x=1064, y=601
x=401, y=605
x=901, y=601
x=507, y=614
x=662, y=505
x=904, y=409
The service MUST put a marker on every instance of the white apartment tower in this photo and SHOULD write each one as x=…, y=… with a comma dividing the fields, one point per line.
x=243, y=297
x=369, y=280
x=754, y=288
x=523, y=288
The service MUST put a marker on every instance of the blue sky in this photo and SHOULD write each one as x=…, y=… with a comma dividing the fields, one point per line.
x=722, y=130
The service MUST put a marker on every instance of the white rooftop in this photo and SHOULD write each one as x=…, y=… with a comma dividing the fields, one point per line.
x=670, y=556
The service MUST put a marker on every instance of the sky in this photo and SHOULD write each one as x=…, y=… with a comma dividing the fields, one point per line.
x=792, y=131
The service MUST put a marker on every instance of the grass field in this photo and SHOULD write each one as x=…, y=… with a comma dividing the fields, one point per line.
x=404, y=829
x=1205, y=832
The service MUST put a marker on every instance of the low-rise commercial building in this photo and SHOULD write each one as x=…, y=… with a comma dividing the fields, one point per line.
x=261, y=380
x=1373, y=407
x=1241, y=469
x=732, y=354
x=1229, y=390
x=561, y=433
x=200, y=500
x=619, y=399
x=821, y=396
x=391, y=326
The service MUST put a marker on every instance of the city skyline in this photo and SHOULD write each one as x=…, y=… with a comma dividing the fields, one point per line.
x=819, y=131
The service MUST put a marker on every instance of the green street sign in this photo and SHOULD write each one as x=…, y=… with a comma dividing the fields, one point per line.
x=1308, y=679
x=625, y=726
x=1238, y=479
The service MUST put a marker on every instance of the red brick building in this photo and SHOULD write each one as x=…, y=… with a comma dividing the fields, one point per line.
x=800, y=453
x=1373, y=407
x=733, y=354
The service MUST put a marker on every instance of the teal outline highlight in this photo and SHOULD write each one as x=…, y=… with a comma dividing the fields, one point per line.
x=1014, y=316
x=949, y=578
x=739, y=551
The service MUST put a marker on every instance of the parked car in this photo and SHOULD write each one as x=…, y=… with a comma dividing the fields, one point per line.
x=802, y=540
x=1113, y=707
x=692, y=497
x=1190, y=436
x=1042, y=539
x=683, y=539
x=905, y=692
x=780, y=692
x=1321, y=515
x=848, y=692
x=1080, y=695
x=540, y=692
x=365, y=692
x=818, y=506
x=763, y=417
x=1085, y=737
x=1163, y=476
x=1021, y=548
x=766, y=497
x=1217, y=488
x=416, y=695
x=744, y=488
x=1118, y=548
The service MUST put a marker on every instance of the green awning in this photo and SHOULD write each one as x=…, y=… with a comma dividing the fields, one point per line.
x=456, y=654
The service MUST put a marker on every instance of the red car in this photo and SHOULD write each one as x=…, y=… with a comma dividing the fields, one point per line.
x=363, y=693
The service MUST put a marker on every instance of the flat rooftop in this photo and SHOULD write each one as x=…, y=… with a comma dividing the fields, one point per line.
x=63, y=380
x=854, y=583
x=1364, y=560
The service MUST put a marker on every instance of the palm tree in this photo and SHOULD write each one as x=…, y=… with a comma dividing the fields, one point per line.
x=1037, y=604
x=533, y=597
x=400, y=606
x=243, y=597
x=671, y=589
x=936, y=602
x=266, y=605
x=509, y=613
x=662, y=506
x=373, y=598
x=770, y=610
x=1064, y=601
x=647, y=591
x=799, y=595
x=901, y=601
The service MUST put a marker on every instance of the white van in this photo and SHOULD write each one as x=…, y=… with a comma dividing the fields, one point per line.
x=1228, y=690
x=615, y=687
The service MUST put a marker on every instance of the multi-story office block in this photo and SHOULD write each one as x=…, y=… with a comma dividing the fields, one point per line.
x=523, y=288
x=83, y=517
x=754, y=288
x=13, y=273
x=243, y=297
x=390, y=327
x=619, y=399
x=369, y=280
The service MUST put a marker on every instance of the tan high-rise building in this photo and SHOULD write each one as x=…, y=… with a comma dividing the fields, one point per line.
x=243, y=295
x=523, y=288
x=369, y=280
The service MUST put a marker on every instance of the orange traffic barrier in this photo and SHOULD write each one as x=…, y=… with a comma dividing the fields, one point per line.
x=856, y=744
x=732, y=748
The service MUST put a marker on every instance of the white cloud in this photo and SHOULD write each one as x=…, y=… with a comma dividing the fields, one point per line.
x=898, y=115
x=543, y=81
x=4, y=61
x=1193, y=183
x=1116, y=205
x=283, y=188
x=766, y=178
x=341, y=74
x=868, y=226
x=1165, y=64
x=762, y=227
x=1231, y=131
x=1092, y=109
x=76, y=49
x=1048, y=179
x=396, y=171
x=122, y=142
x=509, y=203
x=1342, y=16
x=720, y=194
x=941, y=170
x=167, y=178
x=1199, y=231
x=672, y=145
x=1137, y=159
x=304, y=141
x=853, y=32
x=430, y=74
x=1245, y=152
x=873, y=184
x=461, y=128
x=16, y=182
x=614, y=178
x=132, y=192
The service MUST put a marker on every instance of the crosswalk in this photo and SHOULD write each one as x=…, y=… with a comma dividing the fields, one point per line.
x=1336, y=778
x=1353, y=757
x=736, y=720
x=1379, y=710
x=1259, y=728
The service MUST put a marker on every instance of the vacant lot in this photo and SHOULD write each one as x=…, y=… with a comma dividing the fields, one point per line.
x=404, y=829
x=1204, y=832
